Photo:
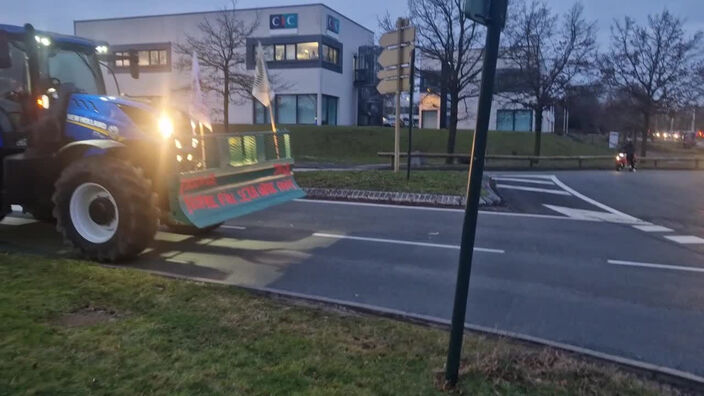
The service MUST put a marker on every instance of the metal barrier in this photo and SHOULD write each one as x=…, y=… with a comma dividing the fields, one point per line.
x=533, y=160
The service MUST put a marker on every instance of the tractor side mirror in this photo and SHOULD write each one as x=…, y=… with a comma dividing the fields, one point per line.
x=134, y=64
x=5, y=59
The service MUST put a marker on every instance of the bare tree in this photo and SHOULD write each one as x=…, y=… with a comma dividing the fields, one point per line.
x=654, y=63
x=446, y=36
x=220, y=46
x=547, y=53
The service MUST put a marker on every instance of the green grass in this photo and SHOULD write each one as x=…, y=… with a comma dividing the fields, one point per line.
x=359, y=145
x=71, y=327
x=430, y=182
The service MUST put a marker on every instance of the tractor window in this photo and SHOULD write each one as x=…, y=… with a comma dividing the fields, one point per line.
x=13, y=81
x=73, y=67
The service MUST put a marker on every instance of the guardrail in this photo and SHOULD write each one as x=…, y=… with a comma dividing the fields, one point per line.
x=532, y=160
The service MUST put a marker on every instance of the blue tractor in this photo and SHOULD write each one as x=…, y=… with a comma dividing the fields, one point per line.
x=108, y=170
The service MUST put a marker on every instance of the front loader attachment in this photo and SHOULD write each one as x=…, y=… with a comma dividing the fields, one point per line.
x=242, y=173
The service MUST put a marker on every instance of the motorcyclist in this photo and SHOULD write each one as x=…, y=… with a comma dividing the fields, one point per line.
x=630, y=150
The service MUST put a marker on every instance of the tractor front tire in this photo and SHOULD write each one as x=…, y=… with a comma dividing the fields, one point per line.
x=105, y=208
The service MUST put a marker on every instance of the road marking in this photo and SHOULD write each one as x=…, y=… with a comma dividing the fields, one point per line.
x=652, y=228
x=482, y=212
x=233, y=227
x=594, y=215
x=686, y=239
x=656, y=266
x=533, y=189
x=532, y=176
x=515, y=179
x=17, y=221
x=594, y=202
x=400, y=242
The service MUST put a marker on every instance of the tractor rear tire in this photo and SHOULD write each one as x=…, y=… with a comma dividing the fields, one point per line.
x=105, y=208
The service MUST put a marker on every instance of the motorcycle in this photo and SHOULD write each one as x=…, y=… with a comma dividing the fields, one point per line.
x=622, y=162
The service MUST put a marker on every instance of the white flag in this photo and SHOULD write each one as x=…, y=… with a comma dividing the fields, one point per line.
x=198, y=109
x=261, y=88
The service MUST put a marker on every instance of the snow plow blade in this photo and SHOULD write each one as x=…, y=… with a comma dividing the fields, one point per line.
x=246, y=172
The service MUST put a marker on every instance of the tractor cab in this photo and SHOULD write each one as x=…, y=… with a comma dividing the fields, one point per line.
x=38, y=73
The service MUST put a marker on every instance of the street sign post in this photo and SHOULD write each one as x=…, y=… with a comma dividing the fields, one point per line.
x=491, y=13
x=396, y=61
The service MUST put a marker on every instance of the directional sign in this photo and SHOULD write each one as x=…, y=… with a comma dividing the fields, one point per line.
x=390, y=56
x=393, y=38
x=391, y=86
x=393, y=73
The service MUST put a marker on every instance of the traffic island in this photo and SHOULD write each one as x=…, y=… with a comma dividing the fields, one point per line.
x=426, y=188
x=74, y=327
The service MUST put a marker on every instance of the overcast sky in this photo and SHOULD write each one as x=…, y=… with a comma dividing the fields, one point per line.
x=58, y=15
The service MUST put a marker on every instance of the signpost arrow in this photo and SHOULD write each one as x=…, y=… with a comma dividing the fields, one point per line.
x=391, y=86
x=390, y=57
x=393, y=73
x=393, y=38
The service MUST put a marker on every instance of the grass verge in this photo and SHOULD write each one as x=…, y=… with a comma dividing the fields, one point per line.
x=71, y=327
x=427, y=182
x=359, y=145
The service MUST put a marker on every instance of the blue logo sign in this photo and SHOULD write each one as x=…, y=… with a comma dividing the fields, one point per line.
x=283, y=21
x=333, y=24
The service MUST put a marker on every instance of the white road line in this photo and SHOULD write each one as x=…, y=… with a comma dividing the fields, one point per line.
x=515, y=179
x=399, y=242
x=594, y=215
x=652, y=228
x=521, y=176
x=533, y=189
x=655, y=266
x=233, y=227
x=686, y=239
x=17, y=221
x=594, y=202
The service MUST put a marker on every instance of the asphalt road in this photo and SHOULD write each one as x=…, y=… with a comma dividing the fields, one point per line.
x=573, y=261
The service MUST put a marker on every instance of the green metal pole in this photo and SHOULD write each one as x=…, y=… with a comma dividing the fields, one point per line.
x=410, y=114
x=474, y=186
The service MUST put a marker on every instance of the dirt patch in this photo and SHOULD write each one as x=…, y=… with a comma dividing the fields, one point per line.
x=88, y=316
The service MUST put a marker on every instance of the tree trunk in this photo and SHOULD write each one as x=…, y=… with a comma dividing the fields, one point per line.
x=452, y=132
x=538, y=130
x=443, y=97
x=646, y=129
x=226, y=103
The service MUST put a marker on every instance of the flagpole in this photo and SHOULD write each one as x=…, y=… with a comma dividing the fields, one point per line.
x=273, y=128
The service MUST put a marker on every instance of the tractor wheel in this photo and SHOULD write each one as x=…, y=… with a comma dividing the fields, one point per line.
x=179, y=228
x=105, y=208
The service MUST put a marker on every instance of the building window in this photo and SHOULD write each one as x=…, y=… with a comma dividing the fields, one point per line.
x=307, y=51
x=329, y=116
x=514, y=120
x=286, y=109
x=156, y=58
x=268, y=52
x=290, y=51
x=331, y=54
x=261, y=113
x=307, y=108
x=280, y=52
x=290, y=109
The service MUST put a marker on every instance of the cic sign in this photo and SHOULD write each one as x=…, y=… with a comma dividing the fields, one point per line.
x=283, y=21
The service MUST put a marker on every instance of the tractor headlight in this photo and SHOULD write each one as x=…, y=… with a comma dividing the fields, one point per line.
x=166, y=126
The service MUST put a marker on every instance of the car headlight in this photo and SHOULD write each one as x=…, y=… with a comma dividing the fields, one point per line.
x=166, y=126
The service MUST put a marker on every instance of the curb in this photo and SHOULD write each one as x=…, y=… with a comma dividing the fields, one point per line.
x=670, y=376
x=490, y=197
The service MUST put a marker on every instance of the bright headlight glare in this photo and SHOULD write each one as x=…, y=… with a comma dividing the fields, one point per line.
x=177, y=143
x=194, y=142
x=166, y=126
x=189, y=157
x=179, y=158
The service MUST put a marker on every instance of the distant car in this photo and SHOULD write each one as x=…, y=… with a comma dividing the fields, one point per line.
x=390, y=121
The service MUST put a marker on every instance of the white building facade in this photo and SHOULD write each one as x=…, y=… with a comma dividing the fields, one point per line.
x=311, y=52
